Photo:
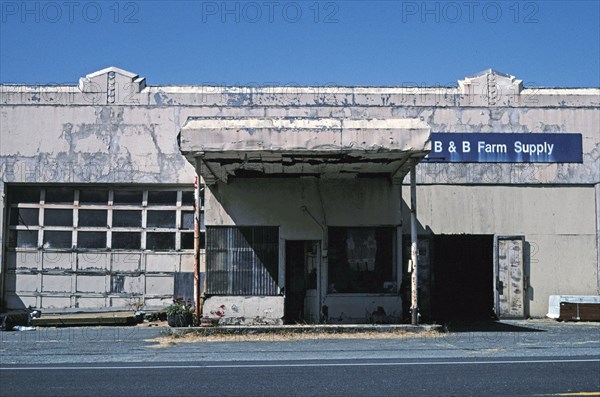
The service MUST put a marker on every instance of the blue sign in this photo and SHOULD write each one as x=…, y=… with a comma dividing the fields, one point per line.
x=492, y=147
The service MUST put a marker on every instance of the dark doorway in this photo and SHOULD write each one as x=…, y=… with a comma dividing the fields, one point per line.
x=301, y=266
x=462, y=282
x=295, y=288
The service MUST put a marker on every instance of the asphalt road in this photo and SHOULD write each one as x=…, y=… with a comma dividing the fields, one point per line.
x=514, y=359
x=482, y=377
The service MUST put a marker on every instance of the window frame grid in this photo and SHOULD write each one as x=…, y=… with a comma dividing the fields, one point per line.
x=177, y=208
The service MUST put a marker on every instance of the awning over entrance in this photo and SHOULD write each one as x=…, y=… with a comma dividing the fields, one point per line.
x=222, y=147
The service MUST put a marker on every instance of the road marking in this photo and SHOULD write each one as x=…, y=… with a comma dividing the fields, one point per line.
x=301, y=365
x=581, y=393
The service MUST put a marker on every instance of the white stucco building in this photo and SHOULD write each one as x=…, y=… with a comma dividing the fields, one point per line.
x=305, y=210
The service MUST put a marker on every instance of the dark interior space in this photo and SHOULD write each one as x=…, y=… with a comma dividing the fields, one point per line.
x=295, y=288
x=360, y=259
x=462, y=277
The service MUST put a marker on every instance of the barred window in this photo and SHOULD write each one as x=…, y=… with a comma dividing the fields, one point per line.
x=101, y=218
x=242, y=260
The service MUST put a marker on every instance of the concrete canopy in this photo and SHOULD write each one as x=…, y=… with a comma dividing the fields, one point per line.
x=326, y=147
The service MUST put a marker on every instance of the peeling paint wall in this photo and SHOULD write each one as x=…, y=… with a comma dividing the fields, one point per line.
x=114, y=129
x=88, y=136
x=59, y=280
x=583, y=119
x=245, y=310
x=95, y=144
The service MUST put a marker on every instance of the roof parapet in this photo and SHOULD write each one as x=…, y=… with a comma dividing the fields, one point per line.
x=116, y=83
x=491, y=85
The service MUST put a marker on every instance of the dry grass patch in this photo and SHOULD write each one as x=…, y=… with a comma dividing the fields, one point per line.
x=283, y=336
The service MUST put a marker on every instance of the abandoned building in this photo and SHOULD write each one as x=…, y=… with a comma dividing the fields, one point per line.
x=301, y=197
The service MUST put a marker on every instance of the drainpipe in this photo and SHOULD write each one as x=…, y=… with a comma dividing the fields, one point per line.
x=413, y=246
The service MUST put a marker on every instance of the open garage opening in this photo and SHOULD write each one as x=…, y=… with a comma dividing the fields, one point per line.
x=462, y=277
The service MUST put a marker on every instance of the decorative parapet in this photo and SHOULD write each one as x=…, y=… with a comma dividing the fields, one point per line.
x=117, y=84
x=491, y=88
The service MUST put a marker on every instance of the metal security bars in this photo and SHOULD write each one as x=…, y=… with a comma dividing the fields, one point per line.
x=242, y=260
x=65, y=218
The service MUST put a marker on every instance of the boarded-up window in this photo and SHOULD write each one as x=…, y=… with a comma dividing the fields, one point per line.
x=242, y=260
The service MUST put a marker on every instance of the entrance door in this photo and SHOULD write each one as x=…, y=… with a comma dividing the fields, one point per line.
x=509, y=286
x=301, y=281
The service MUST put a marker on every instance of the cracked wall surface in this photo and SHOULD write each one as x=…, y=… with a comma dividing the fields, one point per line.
x=112, y=128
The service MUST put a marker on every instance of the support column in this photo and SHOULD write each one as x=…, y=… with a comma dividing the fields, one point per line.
x=399, y=246
x=197, y=304
x=3, y=237
x=414, y=307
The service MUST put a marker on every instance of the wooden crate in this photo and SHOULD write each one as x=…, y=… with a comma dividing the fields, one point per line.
x=579, y=311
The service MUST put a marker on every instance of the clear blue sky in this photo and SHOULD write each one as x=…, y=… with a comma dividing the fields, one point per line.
x=544, y=43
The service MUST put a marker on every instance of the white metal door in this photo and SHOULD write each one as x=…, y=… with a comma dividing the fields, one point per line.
x=509, y=276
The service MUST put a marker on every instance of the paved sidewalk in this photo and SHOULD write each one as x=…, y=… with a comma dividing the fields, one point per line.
x=531, y=338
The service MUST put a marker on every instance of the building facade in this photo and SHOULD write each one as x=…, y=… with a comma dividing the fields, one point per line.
x=305, y=205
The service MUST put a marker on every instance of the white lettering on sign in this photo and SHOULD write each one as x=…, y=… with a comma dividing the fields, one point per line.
x=534, y=148
x=506, y=147
x=490, y=147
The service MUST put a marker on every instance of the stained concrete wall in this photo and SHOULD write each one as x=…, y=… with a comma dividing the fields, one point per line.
x=93, y=280
x=89, y=136
x=558, y=223
x=561, y=119
x=240, y=310
x=114, y=129
x=289, y=204
x=280, y=202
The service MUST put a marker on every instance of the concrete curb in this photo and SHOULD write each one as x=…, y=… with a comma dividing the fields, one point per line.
x=85, y=319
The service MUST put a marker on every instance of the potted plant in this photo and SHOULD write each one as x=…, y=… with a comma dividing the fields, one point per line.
x=180, y=313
